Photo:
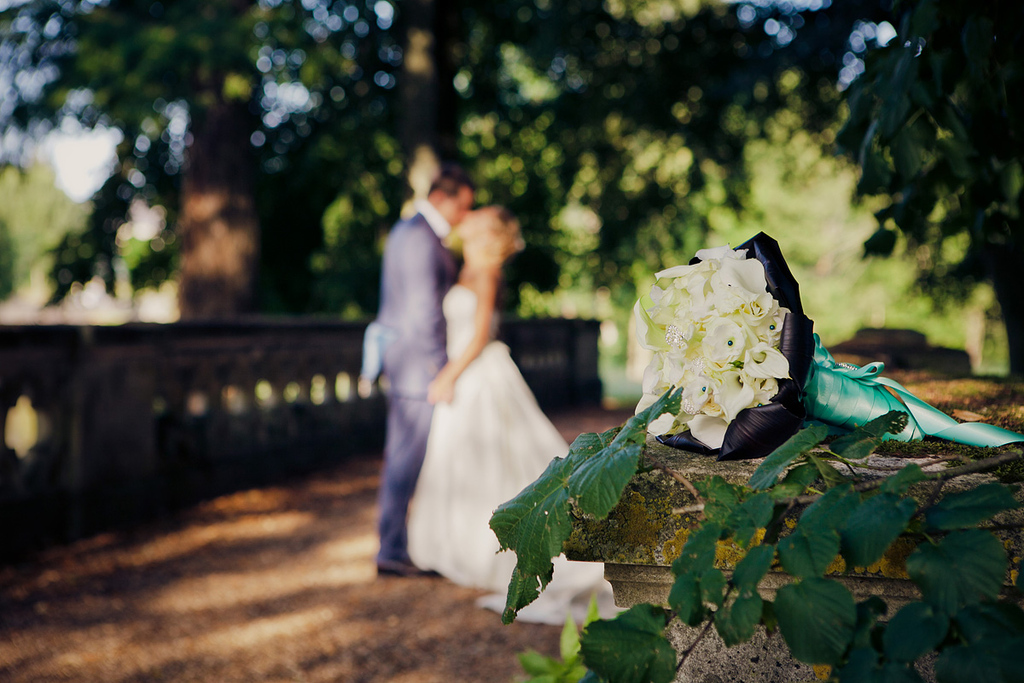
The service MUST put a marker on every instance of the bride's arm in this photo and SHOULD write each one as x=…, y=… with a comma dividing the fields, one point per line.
x=485, y=286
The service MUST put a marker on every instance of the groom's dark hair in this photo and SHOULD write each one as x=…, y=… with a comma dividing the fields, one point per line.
x=450, y=179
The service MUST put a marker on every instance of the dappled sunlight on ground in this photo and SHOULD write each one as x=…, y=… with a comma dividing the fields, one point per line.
x=274, y=584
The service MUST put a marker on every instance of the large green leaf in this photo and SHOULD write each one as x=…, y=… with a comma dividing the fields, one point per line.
x=631, y=648
x=831, y=510
x=685, y=598
x=736, y=622
x=962, y=569
x=537, y=519
x=597, y=485
x=998, y=660
x=872, y=527
x=861, y=442
x=769, y=471
x=968, y=508
x=752, y=568
x=699, y=552
x=914, y=631
x=817, y=619
x=808, y=552
x=988, y=621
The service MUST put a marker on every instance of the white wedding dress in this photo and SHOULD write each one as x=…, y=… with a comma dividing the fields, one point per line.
x=485, y=447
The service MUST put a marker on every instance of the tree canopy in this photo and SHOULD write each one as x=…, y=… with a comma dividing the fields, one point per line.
x=937, y=124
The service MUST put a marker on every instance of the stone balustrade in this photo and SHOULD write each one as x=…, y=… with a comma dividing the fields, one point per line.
x=102, y=426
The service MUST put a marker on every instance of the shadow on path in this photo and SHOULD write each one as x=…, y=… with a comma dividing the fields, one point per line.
x=271, y=584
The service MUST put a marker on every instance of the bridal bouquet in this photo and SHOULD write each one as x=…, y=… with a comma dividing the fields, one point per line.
x=730, y=331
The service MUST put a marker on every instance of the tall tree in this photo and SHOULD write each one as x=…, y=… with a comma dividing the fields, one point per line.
x=210, y=94
x=937, y=124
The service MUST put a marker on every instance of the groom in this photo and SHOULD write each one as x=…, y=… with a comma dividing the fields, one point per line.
x=417, y=272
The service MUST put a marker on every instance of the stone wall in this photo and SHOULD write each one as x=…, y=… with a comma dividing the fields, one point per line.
x=103, y=426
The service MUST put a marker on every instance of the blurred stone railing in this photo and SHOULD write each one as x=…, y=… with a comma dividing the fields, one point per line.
x=102, y=426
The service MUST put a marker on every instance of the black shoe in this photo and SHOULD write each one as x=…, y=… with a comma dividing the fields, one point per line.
x=404, y=569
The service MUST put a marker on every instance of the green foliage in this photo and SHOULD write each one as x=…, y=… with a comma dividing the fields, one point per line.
x=536, y=522
x=568, y=668
x=958, y=567
x=34, y=217
x=935, y=124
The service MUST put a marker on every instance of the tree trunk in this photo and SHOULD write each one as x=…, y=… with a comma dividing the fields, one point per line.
x=1005, y=263
x=218, y=226
x=417, y=124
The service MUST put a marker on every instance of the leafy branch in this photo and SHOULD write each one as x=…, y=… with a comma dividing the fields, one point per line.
x=959, y=565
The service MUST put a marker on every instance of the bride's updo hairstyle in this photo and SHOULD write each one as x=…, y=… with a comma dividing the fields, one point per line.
x=497, y=236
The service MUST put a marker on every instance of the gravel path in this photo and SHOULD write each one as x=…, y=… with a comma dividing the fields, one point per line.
x=272, y=584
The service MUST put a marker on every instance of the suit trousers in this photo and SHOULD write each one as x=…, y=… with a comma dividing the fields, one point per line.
x=405, y=446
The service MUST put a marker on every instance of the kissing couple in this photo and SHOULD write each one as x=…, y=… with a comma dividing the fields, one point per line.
x=464, y=432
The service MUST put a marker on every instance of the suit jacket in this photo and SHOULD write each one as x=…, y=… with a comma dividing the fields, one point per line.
x=417, y=272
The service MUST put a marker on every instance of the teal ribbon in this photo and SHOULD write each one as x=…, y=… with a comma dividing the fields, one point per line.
x=845, y=396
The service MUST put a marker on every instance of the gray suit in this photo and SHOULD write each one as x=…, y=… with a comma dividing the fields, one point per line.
x=417, y=272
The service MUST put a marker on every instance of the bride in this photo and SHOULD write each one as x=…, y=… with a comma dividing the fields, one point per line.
x=488, y=441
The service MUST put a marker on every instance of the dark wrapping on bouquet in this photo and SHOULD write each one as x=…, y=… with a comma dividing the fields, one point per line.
x=758, y=431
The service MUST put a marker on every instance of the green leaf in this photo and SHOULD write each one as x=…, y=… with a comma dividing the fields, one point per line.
x=768, y=618
x=523, y=588
x=808, y=552
x=631, y=648
x=699, y=552
x=588, y=444
x=720, y=498
x=868, y=612
x=536, y=522
x=873, y=526
x=900, y=482
x=593, y=612
x=864, y=666
x=831, y=476
x=964, y=568
x=831, y=510
x=907, y=154
x=736, y=622
x=712, y=587
x=536, y=664
x=861, y=667
x=769, y=471
x=752, y=568
x=569, y=641
x=685, y=598
x=635, y=429
x=914, y=631
x=994, y=661
x=817, y=618
x=596, y=486
x=753, y=514
x=990, y=621
x=862, y=441
x=969, y=508
x=1011, y=180
x=795, y=482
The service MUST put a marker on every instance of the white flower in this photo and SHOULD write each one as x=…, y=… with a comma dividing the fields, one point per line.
x=714, y=329
x=709, y=430
x=765, y=361
x=726, y=342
